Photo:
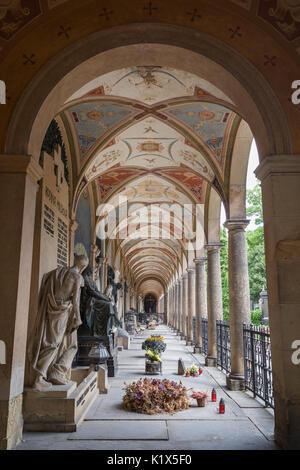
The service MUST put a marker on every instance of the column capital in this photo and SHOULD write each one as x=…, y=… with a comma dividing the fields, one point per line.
x=199, y=260
x=190, y=270
x=21, y=164
x=274, y=164
x=213, y=246
x=236, y=224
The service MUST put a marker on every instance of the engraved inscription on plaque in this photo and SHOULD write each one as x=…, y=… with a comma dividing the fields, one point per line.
x=62, y=243
x=49, y=220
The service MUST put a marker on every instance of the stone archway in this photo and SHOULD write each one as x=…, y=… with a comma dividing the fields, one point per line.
x=104, y=51
x=244, y=87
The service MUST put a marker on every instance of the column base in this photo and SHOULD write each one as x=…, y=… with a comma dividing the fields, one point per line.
x=197, y=349
x=182, y=337
x=189, y=342
x=211, y=361
x=235, y=382
x=11, y=423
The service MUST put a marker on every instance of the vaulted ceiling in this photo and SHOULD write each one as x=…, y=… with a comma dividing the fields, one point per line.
x=161, y=138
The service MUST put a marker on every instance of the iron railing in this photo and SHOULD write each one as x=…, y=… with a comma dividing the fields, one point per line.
x=204, y=335
x=258, y=362
x=257, y=356
x=223, y=345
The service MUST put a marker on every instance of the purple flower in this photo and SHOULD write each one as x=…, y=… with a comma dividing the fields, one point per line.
x=162, y=387
x=174, y=395
x=173, y=383
x=154, y=381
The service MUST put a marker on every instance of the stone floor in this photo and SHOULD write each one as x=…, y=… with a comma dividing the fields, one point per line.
x=246, y=424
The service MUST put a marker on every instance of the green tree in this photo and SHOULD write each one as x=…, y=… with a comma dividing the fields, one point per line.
x=255, y=243
x=254, y=204
x=224, y=273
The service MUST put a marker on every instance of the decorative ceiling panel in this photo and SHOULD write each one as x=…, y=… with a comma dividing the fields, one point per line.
x=150, y=144
x=93, y=119
x=207, y=120
x=149, y=84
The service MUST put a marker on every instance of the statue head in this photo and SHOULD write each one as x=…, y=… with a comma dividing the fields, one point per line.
x=81, y=261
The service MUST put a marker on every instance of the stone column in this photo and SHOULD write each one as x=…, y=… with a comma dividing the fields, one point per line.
x=179, y=309
x=239, y=299
x=127, y=299
x=19, y=175
x=173, y=306
x=280, y=177
x=184, y=305
x=201, y=300
x=214, y=300
x=169, y=306
x=191, y=305
x=166, y=307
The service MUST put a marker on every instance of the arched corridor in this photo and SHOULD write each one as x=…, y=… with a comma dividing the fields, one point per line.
x=120, y=140
x=246, y=425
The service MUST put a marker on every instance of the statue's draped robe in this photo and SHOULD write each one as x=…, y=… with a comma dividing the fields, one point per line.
x=50, y=350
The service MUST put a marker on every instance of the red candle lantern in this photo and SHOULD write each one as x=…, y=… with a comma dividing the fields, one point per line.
x=221, y=406
x=213, y=395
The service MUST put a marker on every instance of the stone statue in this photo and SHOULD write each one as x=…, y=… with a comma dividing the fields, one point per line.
x=111, y=291
x=97, y=311
x=114, y=320
x=54, y=342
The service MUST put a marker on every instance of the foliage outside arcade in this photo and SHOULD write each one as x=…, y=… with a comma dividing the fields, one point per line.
x=256, y=256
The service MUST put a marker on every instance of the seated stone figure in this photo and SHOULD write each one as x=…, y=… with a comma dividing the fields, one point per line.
x=97, y=310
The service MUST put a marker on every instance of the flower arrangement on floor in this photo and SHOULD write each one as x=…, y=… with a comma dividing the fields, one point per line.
x=152, y=325
x=139, y=329
x=193, y=371
x=155, y=343
x=152, y=356
x=201, y=397
x=153, y=396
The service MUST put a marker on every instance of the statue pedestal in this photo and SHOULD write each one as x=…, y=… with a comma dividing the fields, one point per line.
x=63, y=407
x=85, y=343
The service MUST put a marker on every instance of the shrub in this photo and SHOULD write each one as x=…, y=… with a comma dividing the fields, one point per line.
x=256, y=316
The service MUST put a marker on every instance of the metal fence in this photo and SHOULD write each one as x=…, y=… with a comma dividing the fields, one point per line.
x=257, y=356
x=223, y=345
x=258, y=362
x=204, y=335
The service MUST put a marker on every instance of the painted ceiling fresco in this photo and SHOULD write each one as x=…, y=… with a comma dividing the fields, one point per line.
x=110, y=180
x=149, y=84
x=153, y=137
x=191, y=180
x=93, y=119
x=207, y=120
x=150, y=144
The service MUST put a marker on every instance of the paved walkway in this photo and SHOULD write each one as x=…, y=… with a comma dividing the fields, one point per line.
x=246, y=425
